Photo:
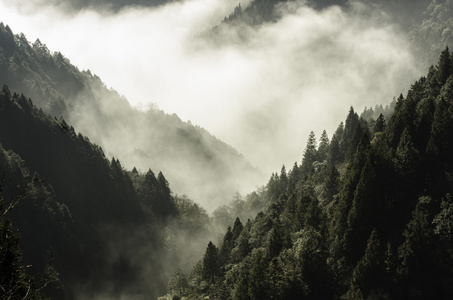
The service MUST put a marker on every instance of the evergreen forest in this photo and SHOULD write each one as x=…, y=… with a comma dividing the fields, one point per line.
x=366, y=213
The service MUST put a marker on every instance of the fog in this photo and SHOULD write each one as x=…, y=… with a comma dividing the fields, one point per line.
x=262, y=90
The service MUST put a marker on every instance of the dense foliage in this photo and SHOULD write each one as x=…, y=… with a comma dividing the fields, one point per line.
x=95, y=222
x=366, y=215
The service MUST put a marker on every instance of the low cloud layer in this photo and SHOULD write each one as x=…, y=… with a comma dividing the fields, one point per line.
x=263, y=94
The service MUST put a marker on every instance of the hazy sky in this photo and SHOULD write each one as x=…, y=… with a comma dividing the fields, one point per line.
x=263, y=95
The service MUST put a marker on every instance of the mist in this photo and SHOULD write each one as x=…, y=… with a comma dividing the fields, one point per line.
x=262, y=89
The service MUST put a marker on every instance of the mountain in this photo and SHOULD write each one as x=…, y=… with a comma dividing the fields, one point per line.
x=72, y=195
x=89, y=228
x=405, y=13
x=366, y=215
x=187, y=154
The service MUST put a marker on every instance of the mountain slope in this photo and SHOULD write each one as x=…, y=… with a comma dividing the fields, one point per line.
x=188, y=154
x=75, y=201
x=366, y=215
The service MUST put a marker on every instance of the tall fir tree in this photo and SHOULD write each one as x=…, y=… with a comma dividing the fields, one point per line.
x=310, y=153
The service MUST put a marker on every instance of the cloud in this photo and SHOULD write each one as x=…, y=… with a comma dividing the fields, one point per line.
x=75, y=6
x=262, y=94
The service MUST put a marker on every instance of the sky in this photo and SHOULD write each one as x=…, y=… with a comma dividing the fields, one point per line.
x=262, y=94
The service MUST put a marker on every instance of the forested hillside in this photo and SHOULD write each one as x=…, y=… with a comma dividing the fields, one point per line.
x=142, y=139
x=366, y=215
x=88, y=227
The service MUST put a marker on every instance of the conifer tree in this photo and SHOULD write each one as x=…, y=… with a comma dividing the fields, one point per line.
x=210, y=263
x=244, y=244
x=423, y=123
x=258, y=278
x=237, y=229
x=323, y=148
x=444, y=67
x=276, y=239
x=336, y=149
x=368, y=273
x=310, y=153
x=352, y=120
x=406, y=156
x=227, y=245
x=380, y=124
x=418, y=272
x=332, y=183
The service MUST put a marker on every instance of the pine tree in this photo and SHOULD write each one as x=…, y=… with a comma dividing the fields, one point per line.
x=323, y=149
x=418, y=272
x=347, y=190
x=331, y=184
x=352, y=120
x=336, y=149
x=423, y=123
x=360, y=130
x=258, y=278
x=368, y=274
x=362, y=216
x=237, y=229
x=243, y=244
x=310, y=153
x=227, y=246
x=380, y=124
x=444, y=67
x=276, y=239
x=407, y=157
x=210, y=263
x=283, y=179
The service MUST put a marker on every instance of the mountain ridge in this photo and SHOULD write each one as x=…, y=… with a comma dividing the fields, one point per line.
x=142, y=139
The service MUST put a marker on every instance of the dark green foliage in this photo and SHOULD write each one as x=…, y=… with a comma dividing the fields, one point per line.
x=154, y=193
x=310, y=153
x=227, y=246
x=368, y=273
x=258, y=276
x=331, y=185
x=336, y=149
x=75, y=198
x=15, y=283
x=350, y=125
x=211, y=263
x=276, y=239
x=380, y=124
x=323, y=148
x=420, y=254
x=237, y=229
x=444, y=67
x=381, y=228
x=244, y=247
